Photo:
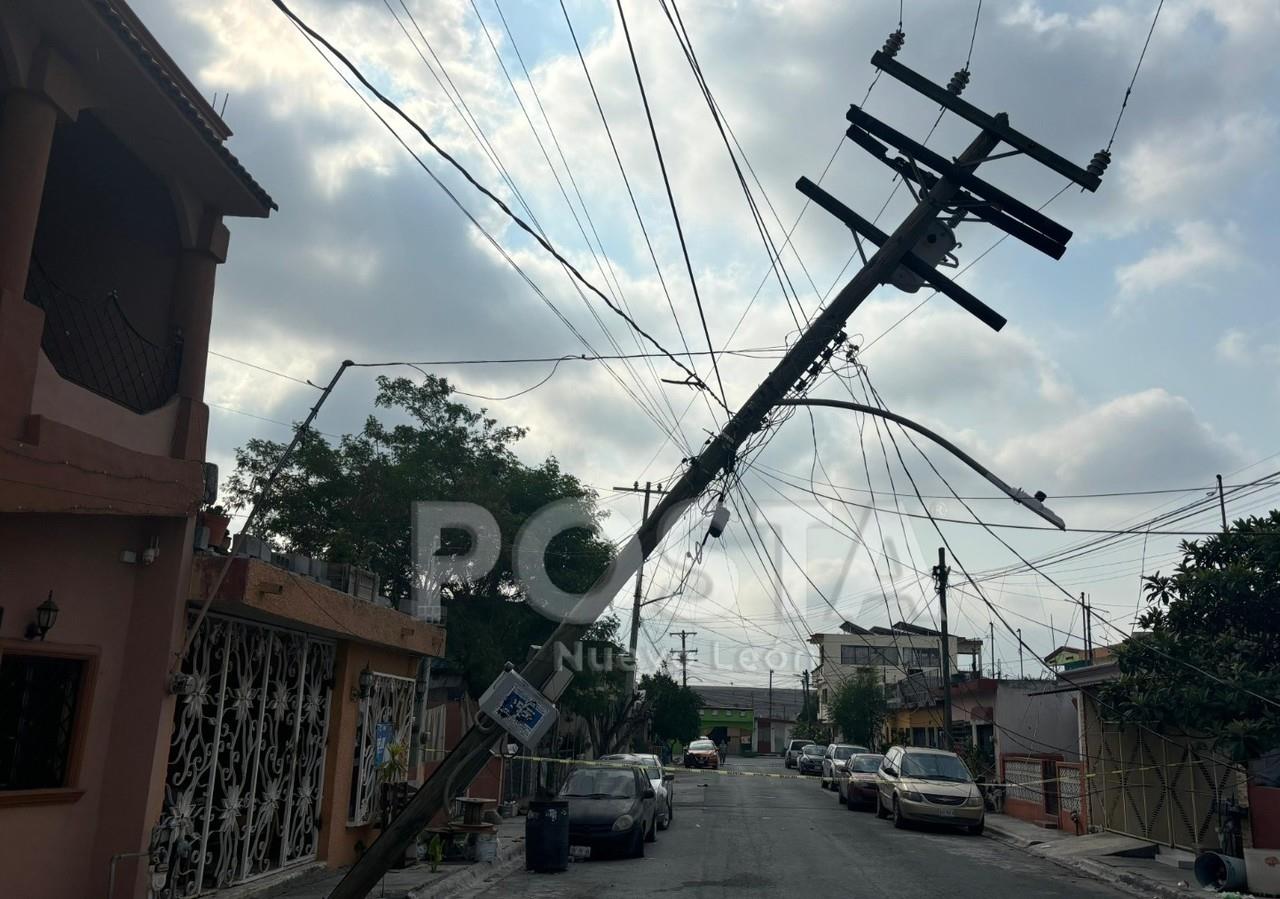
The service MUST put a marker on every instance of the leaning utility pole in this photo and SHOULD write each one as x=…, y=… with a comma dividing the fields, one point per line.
x=636, y=602
x=906, y=257
x=940, y=573
x=683, y=654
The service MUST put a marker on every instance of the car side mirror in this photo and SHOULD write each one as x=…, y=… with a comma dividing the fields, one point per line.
x=648, y=794
x=668, y=778
x=889, y=770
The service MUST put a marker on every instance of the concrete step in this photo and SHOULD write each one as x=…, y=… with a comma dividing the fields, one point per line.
x=1176, y=858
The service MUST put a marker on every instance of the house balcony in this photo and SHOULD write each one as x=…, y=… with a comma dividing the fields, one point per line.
x=90, y=342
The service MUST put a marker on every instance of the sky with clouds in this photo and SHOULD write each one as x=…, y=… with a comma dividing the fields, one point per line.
x=1147, y=359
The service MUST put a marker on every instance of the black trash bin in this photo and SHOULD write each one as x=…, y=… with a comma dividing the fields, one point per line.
x=546, y=835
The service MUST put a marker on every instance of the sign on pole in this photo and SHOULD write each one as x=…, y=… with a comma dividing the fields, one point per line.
x=518, y=708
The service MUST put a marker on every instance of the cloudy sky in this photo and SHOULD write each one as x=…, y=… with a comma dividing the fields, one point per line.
x=1147, y=359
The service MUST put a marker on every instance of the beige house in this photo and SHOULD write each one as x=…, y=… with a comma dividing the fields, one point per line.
x=891, y=652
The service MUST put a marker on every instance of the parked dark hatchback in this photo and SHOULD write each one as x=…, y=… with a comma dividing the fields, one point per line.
x=610, y=808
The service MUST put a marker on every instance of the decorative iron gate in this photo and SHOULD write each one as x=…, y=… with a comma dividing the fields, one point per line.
x=246, y=759
x=386, y=718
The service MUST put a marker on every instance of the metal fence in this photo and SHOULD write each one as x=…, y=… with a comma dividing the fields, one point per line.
x=1169, y=790
x=90, y=342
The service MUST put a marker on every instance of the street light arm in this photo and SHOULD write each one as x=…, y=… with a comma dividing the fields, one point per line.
x=1017, y=494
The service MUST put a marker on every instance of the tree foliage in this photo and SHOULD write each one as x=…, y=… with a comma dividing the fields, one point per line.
x=858, y=709
x=676, y=709
x=349, y=501
x=1217, y=612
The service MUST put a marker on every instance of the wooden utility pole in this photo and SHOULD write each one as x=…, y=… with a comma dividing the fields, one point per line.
x=1088, y=629
x=636, y=602
x=940, y=573
x=1222, y=503
x=683, y=654
x=954, y=190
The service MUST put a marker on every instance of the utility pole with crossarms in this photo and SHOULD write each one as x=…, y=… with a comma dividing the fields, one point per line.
x=903, y=258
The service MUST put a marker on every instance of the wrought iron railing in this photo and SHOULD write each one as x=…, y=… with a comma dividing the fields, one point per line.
x=91, y=343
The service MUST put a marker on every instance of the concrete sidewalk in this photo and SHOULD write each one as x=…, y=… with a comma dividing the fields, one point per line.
x=413, y=882
x=1136, y=865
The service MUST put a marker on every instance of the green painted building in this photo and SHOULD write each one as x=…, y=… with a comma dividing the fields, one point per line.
x=733, y=726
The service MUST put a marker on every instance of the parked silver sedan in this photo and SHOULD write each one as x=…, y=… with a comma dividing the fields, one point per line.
x=833, y=761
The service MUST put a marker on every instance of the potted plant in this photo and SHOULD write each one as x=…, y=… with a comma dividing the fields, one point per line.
x=216, y=519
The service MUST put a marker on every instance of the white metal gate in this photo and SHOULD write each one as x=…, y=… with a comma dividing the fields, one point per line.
x=386, y=721
x=246, y=759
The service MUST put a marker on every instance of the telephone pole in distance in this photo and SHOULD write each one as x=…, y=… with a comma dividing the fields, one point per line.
x=683, y=654
x=647, y=490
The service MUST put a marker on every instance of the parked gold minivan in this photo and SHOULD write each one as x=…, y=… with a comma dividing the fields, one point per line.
x=932, y=785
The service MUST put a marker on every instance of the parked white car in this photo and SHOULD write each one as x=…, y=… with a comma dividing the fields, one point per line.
x=663, y=783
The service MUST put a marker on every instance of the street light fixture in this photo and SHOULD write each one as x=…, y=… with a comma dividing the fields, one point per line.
x=1017, y=494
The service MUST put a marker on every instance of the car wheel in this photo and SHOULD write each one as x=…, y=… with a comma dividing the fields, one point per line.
x=840, y=797
x=637, y=844
x=977, y=829
x=898, y=821
x=671, y=813
x=652, y=835
x=880, y=812
x=849, y=803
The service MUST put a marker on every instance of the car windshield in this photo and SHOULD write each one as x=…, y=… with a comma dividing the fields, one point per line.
x=865, y=764
x=844, y=752
x=813, y=749
x=931, y=766
x=702, y=746
x=600, y=783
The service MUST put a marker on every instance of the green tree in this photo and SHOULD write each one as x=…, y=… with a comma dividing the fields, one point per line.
x=1216, y=612
x=676, y=710
x=349, y=501
x=808, y=727
x=858, y=709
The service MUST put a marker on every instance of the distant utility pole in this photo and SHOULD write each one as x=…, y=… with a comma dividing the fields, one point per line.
x=648, y=489
x=940, y=573
x=771, y=741
x=994, y=672
x=1222, y=503
x=804, y=679
x=683, y=654
x=948, y=192
x=1021, y=671
x=1088, y=628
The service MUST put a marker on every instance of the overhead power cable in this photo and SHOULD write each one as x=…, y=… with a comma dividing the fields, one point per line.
x=671, y=199
x=1134, y=80
x=695, y=380
x=586, y=212
x=493, y=241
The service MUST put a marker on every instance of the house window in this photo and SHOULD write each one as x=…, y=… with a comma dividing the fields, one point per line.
x=869, y=656
x=39, y=699
x=382, y=744
x=924, y=658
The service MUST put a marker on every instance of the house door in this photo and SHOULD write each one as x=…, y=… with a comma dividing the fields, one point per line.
x=246, y=758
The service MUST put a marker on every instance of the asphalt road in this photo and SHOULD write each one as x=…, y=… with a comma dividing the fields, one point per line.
x=735, y=836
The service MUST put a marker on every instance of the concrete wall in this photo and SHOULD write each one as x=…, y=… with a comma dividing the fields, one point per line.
x=55, y=844
x=1036, y=725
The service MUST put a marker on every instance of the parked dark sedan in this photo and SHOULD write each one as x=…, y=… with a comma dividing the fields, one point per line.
x=610, y=808
x=810, y=759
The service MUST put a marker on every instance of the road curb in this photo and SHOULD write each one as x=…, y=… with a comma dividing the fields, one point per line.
x=1125, y=880
x=468, y=880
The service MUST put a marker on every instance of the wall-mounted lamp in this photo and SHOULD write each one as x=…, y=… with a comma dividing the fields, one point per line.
x=46, y=617
x=366, y=684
